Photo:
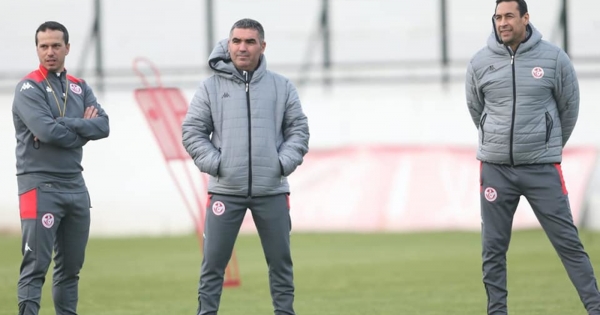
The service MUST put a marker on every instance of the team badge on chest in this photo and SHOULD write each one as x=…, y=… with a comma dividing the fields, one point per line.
x=537, y=72
x=75, y=88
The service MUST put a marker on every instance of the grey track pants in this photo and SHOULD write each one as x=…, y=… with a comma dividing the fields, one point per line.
x=544, y=188
x=224, y=216
x=58, y=221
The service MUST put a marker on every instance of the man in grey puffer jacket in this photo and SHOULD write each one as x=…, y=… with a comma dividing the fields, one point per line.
x=245, y=128
x=523, y=95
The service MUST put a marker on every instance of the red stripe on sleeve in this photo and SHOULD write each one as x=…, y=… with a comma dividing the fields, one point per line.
x=35, y=76
x=74, y=79
x=28, y=205
x=562, y=179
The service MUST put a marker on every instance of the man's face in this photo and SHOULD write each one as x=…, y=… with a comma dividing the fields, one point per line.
x=52, y=50
x=245, y=48
x=510, y=25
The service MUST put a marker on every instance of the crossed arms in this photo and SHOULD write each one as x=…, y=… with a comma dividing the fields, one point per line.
x=67, y=132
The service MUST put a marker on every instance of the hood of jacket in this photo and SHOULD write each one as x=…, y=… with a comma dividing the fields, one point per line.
x=220, y=61
x=532, y=38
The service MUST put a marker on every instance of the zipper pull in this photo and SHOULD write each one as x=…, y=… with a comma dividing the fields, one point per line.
x=246, y=86
x=546, y=145
x=245, y=73
x=512, y=59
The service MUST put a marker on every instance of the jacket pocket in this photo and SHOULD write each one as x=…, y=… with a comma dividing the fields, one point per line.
x=219, y=165
x=89, y=199
x=549, y=124
x=481, y=123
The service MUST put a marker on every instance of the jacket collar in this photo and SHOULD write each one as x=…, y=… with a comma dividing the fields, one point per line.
x=220, y=61
x=532, y=38
x=45, y=71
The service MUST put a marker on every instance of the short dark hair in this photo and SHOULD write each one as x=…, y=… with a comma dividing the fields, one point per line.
x=520, y=3
x=252, y=24
x=54, y=26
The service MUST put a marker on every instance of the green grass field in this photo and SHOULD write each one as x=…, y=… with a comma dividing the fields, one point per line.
x=341, y=274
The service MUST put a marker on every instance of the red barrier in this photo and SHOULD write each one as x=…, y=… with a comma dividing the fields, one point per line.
x=164, y=109
x=373, y=189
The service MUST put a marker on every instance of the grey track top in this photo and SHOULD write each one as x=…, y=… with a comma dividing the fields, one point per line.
x=525, y=105
x=247, y=135
x=62, y=132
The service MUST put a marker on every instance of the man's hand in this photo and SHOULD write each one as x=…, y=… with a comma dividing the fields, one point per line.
x=90, y=112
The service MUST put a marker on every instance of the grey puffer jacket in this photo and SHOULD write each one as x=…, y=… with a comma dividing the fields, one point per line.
x=525, y=105
x=247, y=134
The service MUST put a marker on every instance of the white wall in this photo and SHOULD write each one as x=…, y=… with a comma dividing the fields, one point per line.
x=132, y=192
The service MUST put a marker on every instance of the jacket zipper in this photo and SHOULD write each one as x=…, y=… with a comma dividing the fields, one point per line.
x=514, y=111
x=249, y=135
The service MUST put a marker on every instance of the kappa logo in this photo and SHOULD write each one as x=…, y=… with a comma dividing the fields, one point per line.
x=48, y=89
x=27, y=248
x=48, y=220
x=537, y=72
x=492, y=68
x=218, y=208
x=225, y=95
x=490, y=194
x=25, y=86
x=75, y=88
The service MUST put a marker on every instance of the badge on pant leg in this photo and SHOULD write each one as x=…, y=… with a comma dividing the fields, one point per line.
x=48, y=220
x=490, y=194
x=218, y=208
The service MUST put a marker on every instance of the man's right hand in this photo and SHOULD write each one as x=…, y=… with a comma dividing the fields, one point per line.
x=90, y=112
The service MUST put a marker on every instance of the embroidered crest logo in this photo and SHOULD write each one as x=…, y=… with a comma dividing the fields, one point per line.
x=537, y=72
x=75, y=88
x=218, y=208
x=490, y=194
x=48, y=220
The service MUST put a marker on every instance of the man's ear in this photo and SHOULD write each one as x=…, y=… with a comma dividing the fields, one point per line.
x=68, y=46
